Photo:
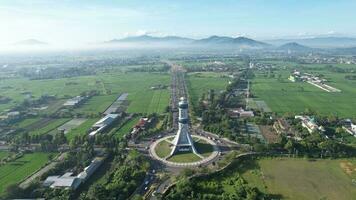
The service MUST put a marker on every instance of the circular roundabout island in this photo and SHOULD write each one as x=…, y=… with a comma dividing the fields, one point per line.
x=161, y=150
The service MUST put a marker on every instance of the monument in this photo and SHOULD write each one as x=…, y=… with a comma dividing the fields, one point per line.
x=183, y=142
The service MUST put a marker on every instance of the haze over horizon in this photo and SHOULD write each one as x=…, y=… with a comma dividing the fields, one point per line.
x=75, y=22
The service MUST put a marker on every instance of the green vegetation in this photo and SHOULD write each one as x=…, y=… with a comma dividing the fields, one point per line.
x=96, y=104
x=126, y=128
x=142, y=99
x=200, y=83
x=53, y=124
x=27, y=122
x=300, y=179
x=163, y=149
x=283, y=96
x=184, y=157
x=224, y=185
x=17, y=170
x=4, y=154
x=81, y=129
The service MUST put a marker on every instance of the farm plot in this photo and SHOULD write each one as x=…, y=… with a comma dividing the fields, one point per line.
x=96, y=104
x=285, y=96
x=18, y=170
x=71, y=124
x=200, y=83
x=127, y=127
x=50, y=125
x=302, y=179
x=82, y=129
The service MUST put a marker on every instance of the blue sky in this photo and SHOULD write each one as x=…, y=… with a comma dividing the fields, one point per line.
x=84, y=21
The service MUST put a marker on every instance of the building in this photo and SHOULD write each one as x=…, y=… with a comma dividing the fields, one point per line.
x=103, y=123
x=310, y=124
x=349, y=127
x=69, y=181
x=66, y=181
x=74, y=101
x=183, y=141
x=240, y=112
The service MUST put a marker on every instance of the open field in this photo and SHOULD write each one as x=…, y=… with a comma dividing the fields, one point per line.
x=142, y=99
x=126, y=128
x=71, y=124
x=15, y=171
x=51, y=125
x=285, y=96
x=96, y=104
x=4, y=154
x=26, y=122
x=303, y=179
x=81, y=129
x=200, y=83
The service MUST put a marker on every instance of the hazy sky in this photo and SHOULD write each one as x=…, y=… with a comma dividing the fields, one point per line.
x=84, y=21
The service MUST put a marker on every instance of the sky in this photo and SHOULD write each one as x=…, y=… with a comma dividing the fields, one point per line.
x=83, y=21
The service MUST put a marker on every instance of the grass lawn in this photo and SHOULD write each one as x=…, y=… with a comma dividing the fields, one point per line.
x=204, y=148
x=286, y=96
x=126, y=128
x=49, y=127
x=303, y=179
x=16, y=171
x=163, y=149
x=184, y=157
x=81, y=129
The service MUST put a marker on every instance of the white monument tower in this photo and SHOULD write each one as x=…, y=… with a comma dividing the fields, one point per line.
x=183, y=141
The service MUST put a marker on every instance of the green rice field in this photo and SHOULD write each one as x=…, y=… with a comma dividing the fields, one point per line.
x=286, y=96
x=18, y=170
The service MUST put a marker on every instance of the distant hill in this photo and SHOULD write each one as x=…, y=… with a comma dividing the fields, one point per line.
x=146, y=39
x=30, y=42
x=230, y=41
x=293, y=46
x=239, y=42
x=319, y=42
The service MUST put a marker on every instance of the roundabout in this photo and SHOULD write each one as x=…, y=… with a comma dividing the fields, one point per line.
x=207, y=149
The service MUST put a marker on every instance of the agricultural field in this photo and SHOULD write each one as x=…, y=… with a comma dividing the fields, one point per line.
x=96, y=104
x=3, y=154
x=51, y=125
x=285, y=96
x=81, y=129
x=142, y=99
x=18, y=170
x=202, y=82
x=290, y=178
x=26, y=122
x=126, y=128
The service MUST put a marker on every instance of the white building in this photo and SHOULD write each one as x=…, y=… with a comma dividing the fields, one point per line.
x=73, y=101
x=68, y=181
x=349, y=127
x=103, y=123
x=309, y=124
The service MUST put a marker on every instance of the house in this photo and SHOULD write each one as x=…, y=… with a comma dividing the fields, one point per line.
x=74, y=101
x=240, y=112
x=349, y=127
x=103, y=123
x=310, y=124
